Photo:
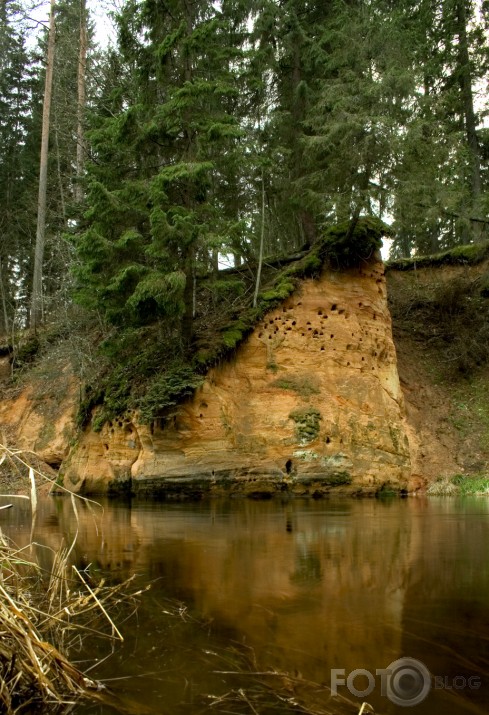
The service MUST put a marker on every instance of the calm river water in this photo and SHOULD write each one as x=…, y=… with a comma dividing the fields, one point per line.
x=299, y=588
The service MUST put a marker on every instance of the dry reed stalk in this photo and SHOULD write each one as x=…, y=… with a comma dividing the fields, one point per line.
x=35, y=675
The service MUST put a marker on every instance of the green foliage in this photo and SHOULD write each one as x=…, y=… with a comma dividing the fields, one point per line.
x=474, y=484
x=307, y=424
x=460, y=485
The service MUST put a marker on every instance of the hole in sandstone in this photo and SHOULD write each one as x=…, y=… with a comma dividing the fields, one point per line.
x=322, y=347
x=347, y=364
x=334, y=306
x=341, y=311
x=293, y=322
x=106, y=446
x=331, y=336
x=288, y=466
x=360, y=305
x=328, y=440
x=308, y=322
x=260, y=334
x=320, y=312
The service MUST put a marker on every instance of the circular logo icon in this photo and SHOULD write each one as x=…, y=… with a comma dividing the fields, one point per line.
x=409, y=682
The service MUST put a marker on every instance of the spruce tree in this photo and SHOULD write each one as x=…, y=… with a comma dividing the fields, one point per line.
x=155, y=213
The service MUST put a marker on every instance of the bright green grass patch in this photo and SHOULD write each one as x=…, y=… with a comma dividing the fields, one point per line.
x=460, y=485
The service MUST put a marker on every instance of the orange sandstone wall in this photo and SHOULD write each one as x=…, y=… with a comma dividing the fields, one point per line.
x=310, y=401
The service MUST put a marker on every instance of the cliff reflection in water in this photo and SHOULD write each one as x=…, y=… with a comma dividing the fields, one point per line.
x=311, y=586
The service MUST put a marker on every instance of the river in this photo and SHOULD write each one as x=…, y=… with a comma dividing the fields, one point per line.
x=313, y=594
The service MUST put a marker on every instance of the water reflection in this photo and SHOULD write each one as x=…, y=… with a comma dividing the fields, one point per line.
x=305, y=586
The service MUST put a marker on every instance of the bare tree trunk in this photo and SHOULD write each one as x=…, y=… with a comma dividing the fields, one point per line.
x=4, y=328
x=80, y=132
x=36, y=301
x=58, y=166
x=262, y=243
x=470, y=120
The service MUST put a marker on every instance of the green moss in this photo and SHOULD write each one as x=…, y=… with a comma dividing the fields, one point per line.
x=46, y=435
x=470, y=254
x=232, y=337
x=338, y=479
x=166, y=391
x=345, y=248
x=280, y=291
x=304, y=385
x=307, y=424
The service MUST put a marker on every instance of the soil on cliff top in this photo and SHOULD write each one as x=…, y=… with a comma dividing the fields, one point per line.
x=440, y=320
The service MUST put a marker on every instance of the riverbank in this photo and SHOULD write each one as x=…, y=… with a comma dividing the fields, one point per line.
x=325, y=396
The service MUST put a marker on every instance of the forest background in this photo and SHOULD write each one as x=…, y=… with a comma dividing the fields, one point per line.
x=210, y=133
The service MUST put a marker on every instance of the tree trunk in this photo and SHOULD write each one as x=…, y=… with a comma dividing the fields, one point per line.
x=262, y=243
x=80, y=132
x=4, y=329
x=470, y=121
x=36, y=301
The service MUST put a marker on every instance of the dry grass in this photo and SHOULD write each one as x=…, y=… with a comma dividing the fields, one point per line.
x=269, y=691
x=44, y=616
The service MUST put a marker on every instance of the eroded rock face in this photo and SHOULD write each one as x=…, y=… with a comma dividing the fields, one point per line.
x=311, y=401
x=42, y=418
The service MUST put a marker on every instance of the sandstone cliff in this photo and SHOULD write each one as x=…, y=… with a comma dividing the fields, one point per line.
x=311, y=401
